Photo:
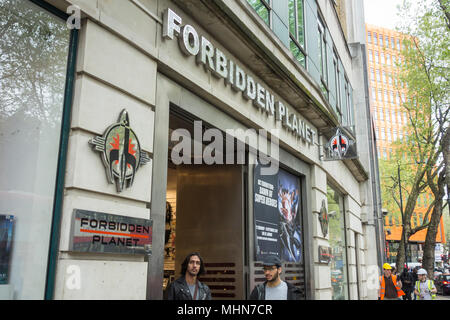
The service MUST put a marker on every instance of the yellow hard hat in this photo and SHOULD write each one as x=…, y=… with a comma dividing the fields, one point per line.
x=387, y=266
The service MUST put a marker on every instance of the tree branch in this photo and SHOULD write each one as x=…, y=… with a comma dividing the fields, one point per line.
x=446, y=13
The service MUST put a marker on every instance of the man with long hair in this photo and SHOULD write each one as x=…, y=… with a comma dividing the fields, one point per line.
x=188, y=287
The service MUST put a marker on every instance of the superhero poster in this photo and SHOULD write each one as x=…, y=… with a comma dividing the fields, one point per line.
x=6, y=236
x=276, y=209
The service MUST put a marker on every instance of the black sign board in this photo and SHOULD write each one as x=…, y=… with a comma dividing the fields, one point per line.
x=324, y=254
x=107, y=233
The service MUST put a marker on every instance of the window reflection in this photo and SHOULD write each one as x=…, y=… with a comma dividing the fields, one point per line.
x=33, y=57
x=338, y=264
x=262, y=9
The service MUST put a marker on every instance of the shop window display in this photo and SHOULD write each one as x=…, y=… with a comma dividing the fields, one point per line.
x=33, y=60
x=338, y=264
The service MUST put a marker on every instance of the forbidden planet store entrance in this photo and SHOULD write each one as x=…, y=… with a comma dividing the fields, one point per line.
x=228, y=210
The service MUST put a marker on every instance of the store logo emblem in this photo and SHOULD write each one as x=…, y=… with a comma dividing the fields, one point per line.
x=121, y=152
x=339, y=144
x=323, y=218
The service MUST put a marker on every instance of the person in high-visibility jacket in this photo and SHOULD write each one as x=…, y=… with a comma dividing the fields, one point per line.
x=390, y=287
x=425, y=289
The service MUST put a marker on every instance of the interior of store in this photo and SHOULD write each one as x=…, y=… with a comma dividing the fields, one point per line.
x=204, y=213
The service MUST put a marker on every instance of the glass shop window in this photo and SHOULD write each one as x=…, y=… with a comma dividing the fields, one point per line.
x=34, y=47
x=338, y=264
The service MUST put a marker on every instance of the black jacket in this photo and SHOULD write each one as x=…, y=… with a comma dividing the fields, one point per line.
x=407, y=280
x=179, y=290
x=259, y=292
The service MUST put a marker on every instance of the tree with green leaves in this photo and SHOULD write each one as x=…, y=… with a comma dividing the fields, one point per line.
x=425, y=73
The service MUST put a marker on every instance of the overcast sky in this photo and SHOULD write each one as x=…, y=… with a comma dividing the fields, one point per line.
x=382, y=13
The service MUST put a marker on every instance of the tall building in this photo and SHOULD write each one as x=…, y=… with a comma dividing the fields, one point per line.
x=386, y=96
x=133, y=132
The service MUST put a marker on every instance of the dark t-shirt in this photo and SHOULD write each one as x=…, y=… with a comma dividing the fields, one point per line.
x=390, y=290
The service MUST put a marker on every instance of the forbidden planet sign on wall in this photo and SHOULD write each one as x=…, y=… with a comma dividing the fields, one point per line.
x=107, y=233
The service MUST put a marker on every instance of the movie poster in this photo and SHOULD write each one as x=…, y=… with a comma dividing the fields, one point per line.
x=289, y=217
x=265, y=208
x=6, y=233
x=276, y=208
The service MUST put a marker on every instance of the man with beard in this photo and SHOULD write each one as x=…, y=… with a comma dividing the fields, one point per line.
x=188, y=287
x=274, y=288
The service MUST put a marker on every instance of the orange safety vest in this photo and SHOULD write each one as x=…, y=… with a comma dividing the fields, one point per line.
x=383, y=287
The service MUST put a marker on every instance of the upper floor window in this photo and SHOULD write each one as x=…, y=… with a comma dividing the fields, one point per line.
x=369, y=37
x=383, y=134
x=348, y=112
x=338, y=84
x=375, y=38
x=323, y=65
x=392, y=43
x=297, y=30
x=262, y=8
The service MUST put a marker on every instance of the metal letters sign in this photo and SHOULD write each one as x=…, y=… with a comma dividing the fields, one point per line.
x=323, y=218
x=340, y=146
x=192, y=43
x=107, y=233
x=121, y=152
